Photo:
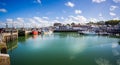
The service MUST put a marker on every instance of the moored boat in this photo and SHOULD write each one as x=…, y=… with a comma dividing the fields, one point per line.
x=103, y=33
x=92, y=33
x=47, y=32
x=87, y=32
x=35, y=32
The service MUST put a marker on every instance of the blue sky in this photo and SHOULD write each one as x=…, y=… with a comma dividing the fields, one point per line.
x=44, y=12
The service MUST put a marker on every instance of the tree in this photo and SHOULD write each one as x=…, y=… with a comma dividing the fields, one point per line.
x=73, y=24
x=112, y=22
x=57, y=24
x=68, y=24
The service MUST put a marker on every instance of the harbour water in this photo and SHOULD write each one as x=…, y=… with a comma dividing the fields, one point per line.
x=65, y=49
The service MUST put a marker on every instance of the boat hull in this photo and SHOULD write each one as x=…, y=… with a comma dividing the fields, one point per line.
x=92, y=33
x=35, y=32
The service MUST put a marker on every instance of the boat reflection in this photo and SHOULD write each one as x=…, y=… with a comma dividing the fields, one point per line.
x=12, y=45
x=22, y=39
x=64, y=35
x=34, y=36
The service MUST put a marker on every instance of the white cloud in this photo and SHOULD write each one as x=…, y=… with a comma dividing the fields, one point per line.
x=62, y=17
x=9, y=20
x=112, y=8
x=70, y=4
x=31, y=20
x=19, y=22
x=20, y=19
x=45, y=18
x=56, y=21
x=38, y=19
x=98, y=1
x=112, y=14
x=100, y=15
x=80, y=18
x=2, y=25
x=116, y=18
x=116, y=1
x=76, y=19
x=39, y=1
x=3, y=10
x=78, y=11
x=41, y=21
x=92, y=20
x=57, y=18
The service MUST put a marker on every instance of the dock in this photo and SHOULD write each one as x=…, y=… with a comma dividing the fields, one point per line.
x=6, y=36
x=3, y=47
x=9, y=36
x=4, y=59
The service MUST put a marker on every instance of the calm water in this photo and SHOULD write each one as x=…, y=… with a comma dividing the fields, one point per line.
x=65, y=49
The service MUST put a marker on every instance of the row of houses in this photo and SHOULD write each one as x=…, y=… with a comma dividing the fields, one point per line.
x=78, y=27
x=70, y=27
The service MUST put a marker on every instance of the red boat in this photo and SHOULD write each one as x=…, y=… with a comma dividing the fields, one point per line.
x=34, y=32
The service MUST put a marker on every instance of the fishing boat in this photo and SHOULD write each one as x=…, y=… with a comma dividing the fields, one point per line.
x=35, y=32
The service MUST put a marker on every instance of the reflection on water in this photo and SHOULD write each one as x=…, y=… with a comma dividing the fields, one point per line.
x=115, y=52
x=118, y=61
x=115, y=49
x=119, y=42
x=23, y=39
x=12, y=45
x=114, y=45
x=65, y=49
x=34, y=36
x=64, y=35
x=102, y=61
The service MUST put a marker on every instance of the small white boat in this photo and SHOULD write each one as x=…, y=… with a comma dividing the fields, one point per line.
x=47, y=32
x=103, y=33
x=88, y=32
x=92, y=33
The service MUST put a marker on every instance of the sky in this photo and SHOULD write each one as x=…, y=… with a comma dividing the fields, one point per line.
x=46, y=12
